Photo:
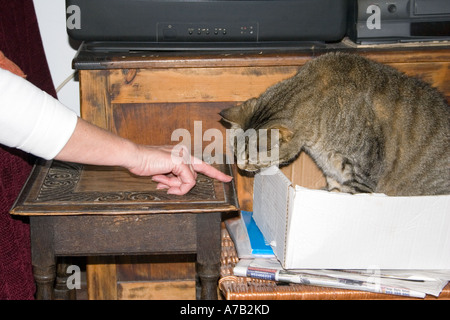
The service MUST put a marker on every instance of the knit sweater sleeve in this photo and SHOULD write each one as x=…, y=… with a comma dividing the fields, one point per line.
x=32, y=120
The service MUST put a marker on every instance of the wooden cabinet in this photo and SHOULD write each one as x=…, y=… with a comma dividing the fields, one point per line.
x=145, y=96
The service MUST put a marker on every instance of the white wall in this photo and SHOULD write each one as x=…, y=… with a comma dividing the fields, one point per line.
x=52, y=24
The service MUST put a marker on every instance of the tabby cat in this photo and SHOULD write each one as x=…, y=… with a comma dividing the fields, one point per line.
x=368, y=127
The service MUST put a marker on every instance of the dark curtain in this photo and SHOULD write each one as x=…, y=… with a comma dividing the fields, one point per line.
x=20, y=41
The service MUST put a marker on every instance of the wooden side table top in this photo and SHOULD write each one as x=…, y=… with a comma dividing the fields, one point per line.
x=62, y=188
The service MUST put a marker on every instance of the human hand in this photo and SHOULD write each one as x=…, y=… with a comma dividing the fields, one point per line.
x=173, y=168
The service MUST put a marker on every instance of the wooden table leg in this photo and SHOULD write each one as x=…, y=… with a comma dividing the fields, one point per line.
x=62, y=291
x=208, y=253
x=43, y=256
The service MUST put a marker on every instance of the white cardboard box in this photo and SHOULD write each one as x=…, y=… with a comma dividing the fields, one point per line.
x=310, y=229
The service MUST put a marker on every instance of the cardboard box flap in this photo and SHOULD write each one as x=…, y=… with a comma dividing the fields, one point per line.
x=271, y=194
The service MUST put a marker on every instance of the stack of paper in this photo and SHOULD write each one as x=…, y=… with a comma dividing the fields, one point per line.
x=257, y=260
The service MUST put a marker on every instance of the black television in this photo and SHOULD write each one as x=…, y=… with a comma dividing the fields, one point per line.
x=214, y=23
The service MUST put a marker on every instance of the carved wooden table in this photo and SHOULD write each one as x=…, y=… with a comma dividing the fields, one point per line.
x=78, y=210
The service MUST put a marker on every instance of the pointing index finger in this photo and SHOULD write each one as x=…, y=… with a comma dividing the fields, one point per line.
x=210, y=171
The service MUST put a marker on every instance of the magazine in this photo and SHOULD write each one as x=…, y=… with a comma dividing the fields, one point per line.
x=247, y=238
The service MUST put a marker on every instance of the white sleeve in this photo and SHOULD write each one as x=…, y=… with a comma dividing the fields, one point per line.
x=32, y=120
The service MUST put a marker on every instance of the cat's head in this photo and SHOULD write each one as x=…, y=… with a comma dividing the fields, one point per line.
x=256, y=141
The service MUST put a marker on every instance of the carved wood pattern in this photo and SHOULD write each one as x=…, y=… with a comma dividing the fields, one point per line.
x=61, y=181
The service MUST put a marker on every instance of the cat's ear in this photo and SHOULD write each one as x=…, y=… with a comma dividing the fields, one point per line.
x=238, y=114
x=286, y=134
x=231, y=115
x=250, y=105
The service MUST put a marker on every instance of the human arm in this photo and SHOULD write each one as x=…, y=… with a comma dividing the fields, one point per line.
x=35, y=122
x=173, y=168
